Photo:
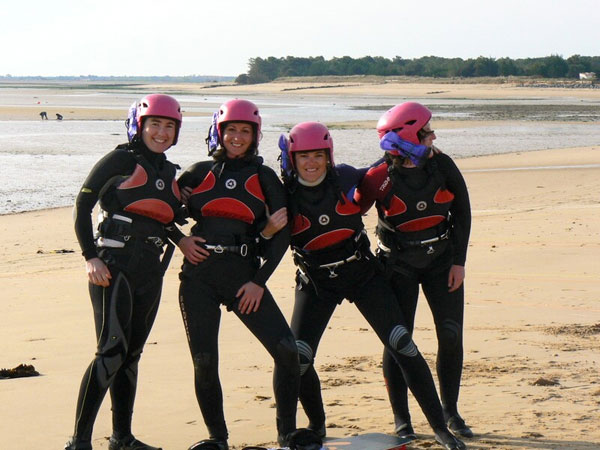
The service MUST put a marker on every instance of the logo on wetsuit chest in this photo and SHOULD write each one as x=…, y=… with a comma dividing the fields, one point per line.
x=324, y=219
x=422, y=205
x=230, y=183
x=160, y=184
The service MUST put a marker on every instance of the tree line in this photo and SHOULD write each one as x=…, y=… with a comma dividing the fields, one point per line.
x=262, y=70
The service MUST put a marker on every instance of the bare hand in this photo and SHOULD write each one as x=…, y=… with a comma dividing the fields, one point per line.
x=97, y=272
x=276, y=222
x=185, y=194
x=250, y=295
x=455, y=277
x=191, y=247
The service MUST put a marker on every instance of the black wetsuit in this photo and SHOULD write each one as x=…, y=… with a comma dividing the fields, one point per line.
x=327, y=228
x=140, y=197
x=424, y=225
x=229, y=204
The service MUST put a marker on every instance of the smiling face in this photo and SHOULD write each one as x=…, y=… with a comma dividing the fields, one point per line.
x=311, y=165
x=237, y=138
x=158, y=133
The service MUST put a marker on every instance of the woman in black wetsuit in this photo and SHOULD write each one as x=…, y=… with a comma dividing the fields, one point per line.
x=139, y=197
x=423, y=232
x=227, y=263
x=331, y=250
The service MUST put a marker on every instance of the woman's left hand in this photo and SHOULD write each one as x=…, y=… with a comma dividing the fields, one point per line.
x=276, y=222
x=185, y=194
x=455, y=277
x=250, y=295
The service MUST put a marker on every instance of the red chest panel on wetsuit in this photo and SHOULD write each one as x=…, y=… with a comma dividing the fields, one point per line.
x=149, y=192
x=409, y=210
x=235, y=195
x=325, y=223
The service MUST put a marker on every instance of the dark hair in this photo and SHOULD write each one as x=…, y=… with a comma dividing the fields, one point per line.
x=396, y=161
x=422, y=134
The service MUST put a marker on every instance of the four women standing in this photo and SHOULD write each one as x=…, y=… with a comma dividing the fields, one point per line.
x=239, y=237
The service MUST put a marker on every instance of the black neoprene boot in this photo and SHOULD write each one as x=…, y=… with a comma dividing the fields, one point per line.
x=129, y=443
x=458, y=427
x=210, y=444
x=448, y=440
x=74, y=445
x=405, y=431
x=320, y=430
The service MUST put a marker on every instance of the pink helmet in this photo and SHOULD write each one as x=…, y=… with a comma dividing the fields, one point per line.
x=238, y=110
x=307, y=136
x=159, y=105
x=406, y=119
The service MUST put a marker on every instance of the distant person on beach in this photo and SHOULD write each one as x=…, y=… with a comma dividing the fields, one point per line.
x=423, y=233
x=332, y=252
x=228, y=263
x=59, y=116
x=44, y=115
x=135, y=185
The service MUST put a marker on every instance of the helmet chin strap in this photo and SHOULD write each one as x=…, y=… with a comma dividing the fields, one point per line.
x=417, y=153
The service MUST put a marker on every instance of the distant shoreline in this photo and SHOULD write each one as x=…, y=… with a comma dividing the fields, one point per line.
x=206, y=82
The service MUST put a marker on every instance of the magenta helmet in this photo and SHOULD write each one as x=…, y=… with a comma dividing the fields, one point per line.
x=159, y=105
x=238, y=110
x=307, y=136
x=406, y=119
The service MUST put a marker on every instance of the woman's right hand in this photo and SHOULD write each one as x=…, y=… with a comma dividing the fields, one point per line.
x=98, y=272
x=192, y=249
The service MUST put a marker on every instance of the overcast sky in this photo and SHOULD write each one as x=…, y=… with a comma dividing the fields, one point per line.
x=212, y=37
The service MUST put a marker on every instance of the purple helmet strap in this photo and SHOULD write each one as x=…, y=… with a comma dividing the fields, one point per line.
x=418, y=154
x=131, y=122
x=212, y=140
x=284, y=157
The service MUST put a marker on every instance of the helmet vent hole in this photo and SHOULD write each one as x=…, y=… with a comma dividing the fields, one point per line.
x=411, y=122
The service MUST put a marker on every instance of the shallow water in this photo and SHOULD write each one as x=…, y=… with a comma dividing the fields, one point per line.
x=45, y=162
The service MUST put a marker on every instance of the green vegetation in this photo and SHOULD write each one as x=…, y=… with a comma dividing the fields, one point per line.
x=262, y=70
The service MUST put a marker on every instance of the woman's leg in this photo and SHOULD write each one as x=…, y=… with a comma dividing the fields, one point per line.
x=309, y=320
x=112, y=314
x=377, y=304
x=201, y=314
x=406, y=290
x=447, y=309
x=270, y=327
x=146, y=299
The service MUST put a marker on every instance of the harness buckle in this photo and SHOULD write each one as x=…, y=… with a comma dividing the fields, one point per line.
x=218, y=249
x=157, y=241
x=244, y=250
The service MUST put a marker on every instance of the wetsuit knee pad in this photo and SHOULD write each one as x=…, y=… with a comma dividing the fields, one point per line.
x=112, y=355
x=205, y=369
x=450, y=333
x=306, y=355
x=401, y=341
x=287, y=353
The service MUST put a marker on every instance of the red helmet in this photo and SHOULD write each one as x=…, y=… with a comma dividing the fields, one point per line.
x=406, y=119
x=159, y=105
x=238, y=110
x=307, y=136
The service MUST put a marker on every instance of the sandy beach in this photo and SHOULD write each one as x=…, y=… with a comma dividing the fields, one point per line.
x=532, y=353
